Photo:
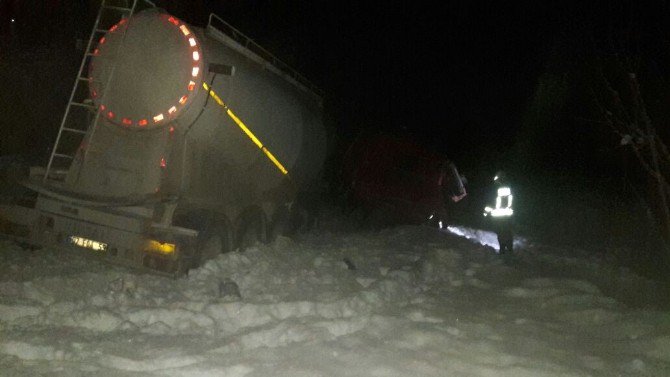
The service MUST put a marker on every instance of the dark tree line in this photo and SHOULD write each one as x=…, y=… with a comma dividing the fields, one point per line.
x=601, y=110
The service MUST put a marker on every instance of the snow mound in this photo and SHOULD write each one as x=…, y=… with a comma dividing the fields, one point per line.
x=399, y=302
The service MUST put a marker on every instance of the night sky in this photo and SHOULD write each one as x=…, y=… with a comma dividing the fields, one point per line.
x=453, y=74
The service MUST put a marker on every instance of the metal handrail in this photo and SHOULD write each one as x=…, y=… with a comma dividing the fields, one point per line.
x=264, y=54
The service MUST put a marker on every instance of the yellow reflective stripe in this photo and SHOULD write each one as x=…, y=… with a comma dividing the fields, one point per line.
x=245, y=129
x=502, y=212
x=504, y=191
x=214, y=95
x=274, y=160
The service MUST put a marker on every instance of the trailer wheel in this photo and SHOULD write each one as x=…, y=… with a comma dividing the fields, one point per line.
x=301, y=220
x=186, y=262
x=213, y=241
x=252, y=229
x=281, y=224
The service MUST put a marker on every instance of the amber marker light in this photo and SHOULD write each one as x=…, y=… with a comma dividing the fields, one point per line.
x=159, y=247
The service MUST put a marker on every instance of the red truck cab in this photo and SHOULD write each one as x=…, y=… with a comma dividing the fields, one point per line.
x=400, y=180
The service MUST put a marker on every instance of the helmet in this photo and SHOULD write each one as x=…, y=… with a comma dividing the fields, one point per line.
x=500, y=176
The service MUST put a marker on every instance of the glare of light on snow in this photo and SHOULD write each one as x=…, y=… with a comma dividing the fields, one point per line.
x=483, y=237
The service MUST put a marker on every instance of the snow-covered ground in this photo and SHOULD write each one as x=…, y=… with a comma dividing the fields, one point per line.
x=408, y=301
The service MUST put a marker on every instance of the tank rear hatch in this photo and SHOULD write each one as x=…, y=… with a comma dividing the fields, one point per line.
x=146, y=70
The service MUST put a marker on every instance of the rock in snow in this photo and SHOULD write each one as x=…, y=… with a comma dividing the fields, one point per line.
x=417, y=302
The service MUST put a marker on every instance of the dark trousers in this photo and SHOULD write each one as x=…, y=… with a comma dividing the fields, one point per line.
x=503, y=228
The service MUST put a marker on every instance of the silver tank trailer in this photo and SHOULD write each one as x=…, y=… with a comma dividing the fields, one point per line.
x=161, y=133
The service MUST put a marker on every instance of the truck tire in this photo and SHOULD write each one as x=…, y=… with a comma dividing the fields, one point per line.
x=281, y=224
x=215, y=240
x=252, y=229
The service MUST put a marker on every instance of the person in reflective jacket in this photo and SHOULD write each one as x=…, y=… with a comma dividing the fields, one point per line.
x=500, y=213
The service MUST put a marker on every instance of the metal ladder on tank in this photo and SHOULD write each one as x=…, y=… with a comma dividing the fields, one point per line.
x=109, y=10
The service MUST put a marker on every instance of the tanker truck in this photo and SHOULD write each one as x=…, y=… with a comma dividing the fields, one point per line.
x=178, y=143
